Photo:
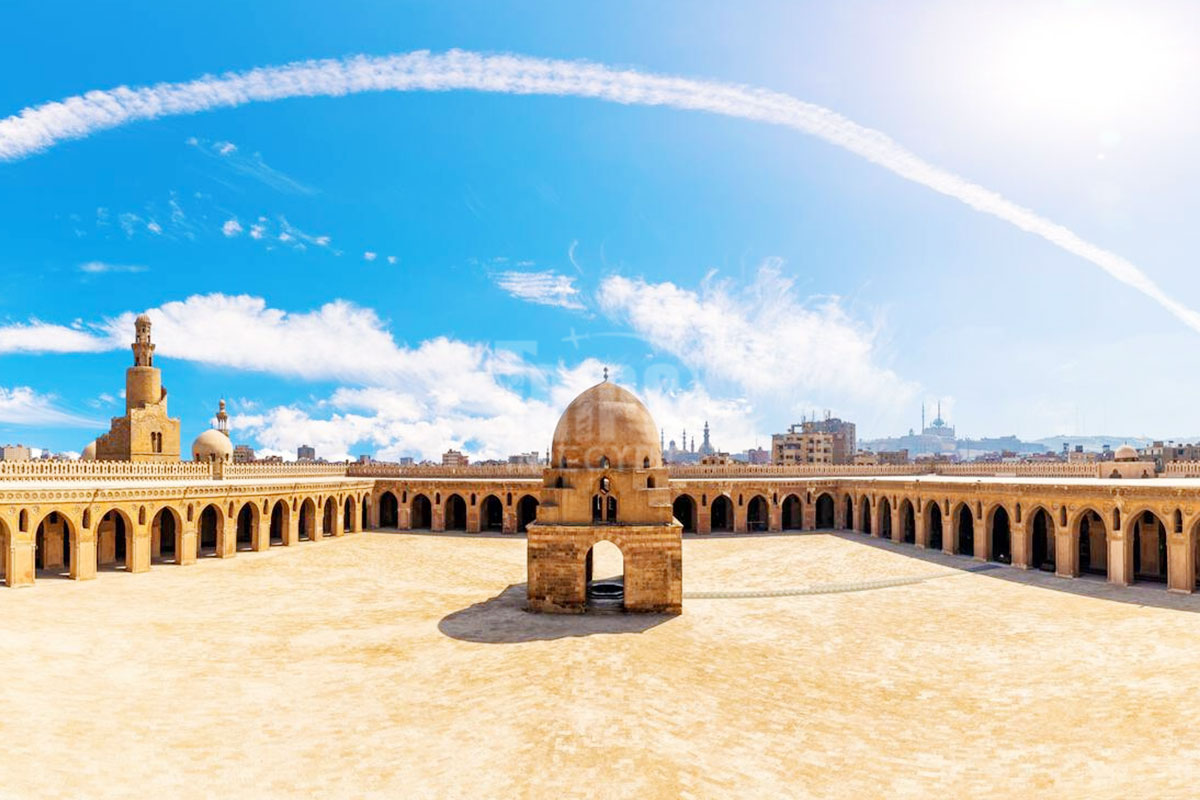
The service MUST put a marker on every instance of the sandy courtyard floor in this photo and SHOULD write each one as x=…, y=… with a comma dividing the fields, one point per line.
x=394, y=665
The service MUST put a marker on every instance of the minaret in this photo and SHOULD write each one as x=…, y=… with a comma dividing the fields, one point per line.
x=662, y=440
x=706, y=448
x=145, y=432
x=693, y=444
x=222, y=419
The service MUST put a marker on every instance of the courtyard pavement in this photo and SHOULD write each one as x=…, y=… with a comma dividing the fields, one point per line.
x=402, y=665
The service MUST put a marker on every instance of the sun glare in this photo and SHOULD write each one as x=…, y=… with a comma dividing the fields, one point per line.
x=1090, y=62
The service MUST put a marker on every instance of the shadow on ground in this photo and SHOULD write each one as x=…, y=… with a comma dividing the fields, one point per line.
x=1144, y=593
x=504, y=620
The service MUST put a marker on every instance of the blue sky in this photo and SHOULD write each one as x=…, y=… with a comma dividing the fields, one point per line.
x=398, y=272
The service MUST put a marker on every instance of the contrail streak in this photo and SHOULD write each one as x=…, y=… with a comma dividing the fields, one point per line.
x=41, y=127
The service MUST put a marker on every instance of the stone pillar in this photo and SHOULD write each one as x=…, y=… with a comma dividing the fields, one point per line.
x=261, y=538
x=922, y=534
x=775, y=517
x=83, y=555
x=139, y=549
x=950, y=532
x=1066, y=553
x=509, y=524
x=356, y=516
x=21, y=559
x=704, y=518
x=983, y=539
x=438, y=523
x=227, y=538
x=339, y=519
x=897, y=523
x=1181, y=564
x=739, y=516
x=373, y=515
x=1120, y=553
x=473, y=518
x=189, y=542
x=291, y=531
x=808, y=516
x=1022, y=542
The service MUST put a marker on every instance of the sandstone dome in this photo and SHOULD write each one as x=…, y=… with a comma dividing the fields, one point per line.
x=89, y=452
x=606, y=422
x=1125, y=453
x=212, y=445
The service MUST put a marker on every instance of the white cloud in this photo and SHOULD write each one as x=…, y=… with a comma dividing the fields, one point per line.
x=369, y=256
x=760, y=341
x=256, y=231
x=547, y=288
x=231, y=227
x=154, y=227
x=21, y=405
x=100, y=267
x=225, y=148
x=391, y=259
x=37, y=128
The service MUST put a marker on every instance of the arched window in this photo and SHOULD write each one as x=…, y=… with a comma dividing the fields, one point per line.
x=404, y=496
x=612, y=509
x=1178, y=521
x=646, y=462
x=1062, y=516
x=649, y=481
x=190, y=512
x=23, y=523
x=1018, y=512
x=1116, y=515
x=604, y=462
x=142, y=515
x=472, y=498
x=509, y=502
x=558, y=482
x=597, y=509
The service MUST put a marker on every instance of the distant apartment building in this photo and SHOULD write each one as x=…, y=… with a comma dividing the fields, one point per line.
x=758, y=455
x=243, y=454
x=827, y=441
x=14, y=452
x=800, y=446
x=716, y=459
x=1165, y=453
x=532, y=457
x=405, y=461
x=455, y=458
x=306, y=453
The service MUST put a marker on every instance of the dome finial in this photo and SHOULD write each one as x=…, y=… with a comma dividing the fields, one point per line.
x=606, y=373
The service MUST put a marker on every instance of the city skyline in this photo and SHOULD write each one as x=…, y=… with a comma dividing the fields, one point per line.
x=469, y=261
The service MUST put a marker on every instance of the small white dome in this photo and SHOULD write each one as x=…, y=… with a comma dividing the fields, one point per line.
x=89, y=452
x=212, y=445
x=1125, y=453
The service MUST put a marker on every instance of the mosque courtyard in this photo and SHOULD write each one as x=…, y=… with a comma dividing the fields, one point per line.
x=402, y=665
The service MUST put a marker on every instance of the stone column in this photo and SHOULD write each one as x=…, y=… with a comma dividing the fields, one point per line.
x=356, y=516
x=704, y=518
x=1022, y=542
x=438, y=523
x=739, y=517
x=189, y=541
x=261, y=539
x=21, y=559
x=808, y=516
x=473, y=517
x=775, y=517
x=227, y=538
x=1066, y=553
x=983, y=539
x=922, y=534
x=139, y=549
x=1120, y=553
x=1181, y=564
x=950, y=532
x=373, y=514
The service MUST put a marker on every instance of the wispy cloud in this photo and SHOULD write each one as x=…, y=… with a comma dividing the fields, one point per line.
x=231, y=227
x=249, y=165
x=40, y=127
x=21, y=405
x=547, y=288
x=100, y=267
x=761, y=341
x=370, y=256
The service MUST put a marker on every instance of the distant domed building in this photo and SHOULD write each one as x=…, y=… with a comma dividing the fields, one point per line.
x=605, y=482
x=1126, y=463
x=89, y=452
x=214, y=443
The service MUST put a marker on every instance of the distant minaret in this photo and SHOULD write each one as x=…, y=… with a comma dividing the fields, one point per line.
x=693, y=444
x=662, y=439
x=922, y=418
x=706, y=448
x=222, y=419
x=683, y=441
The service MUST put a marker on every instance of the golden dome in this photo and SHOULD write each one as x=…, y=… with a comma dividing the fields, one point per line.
x=1125, y=453
x=606, y=422
x=212, y=445
x=89, y=452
